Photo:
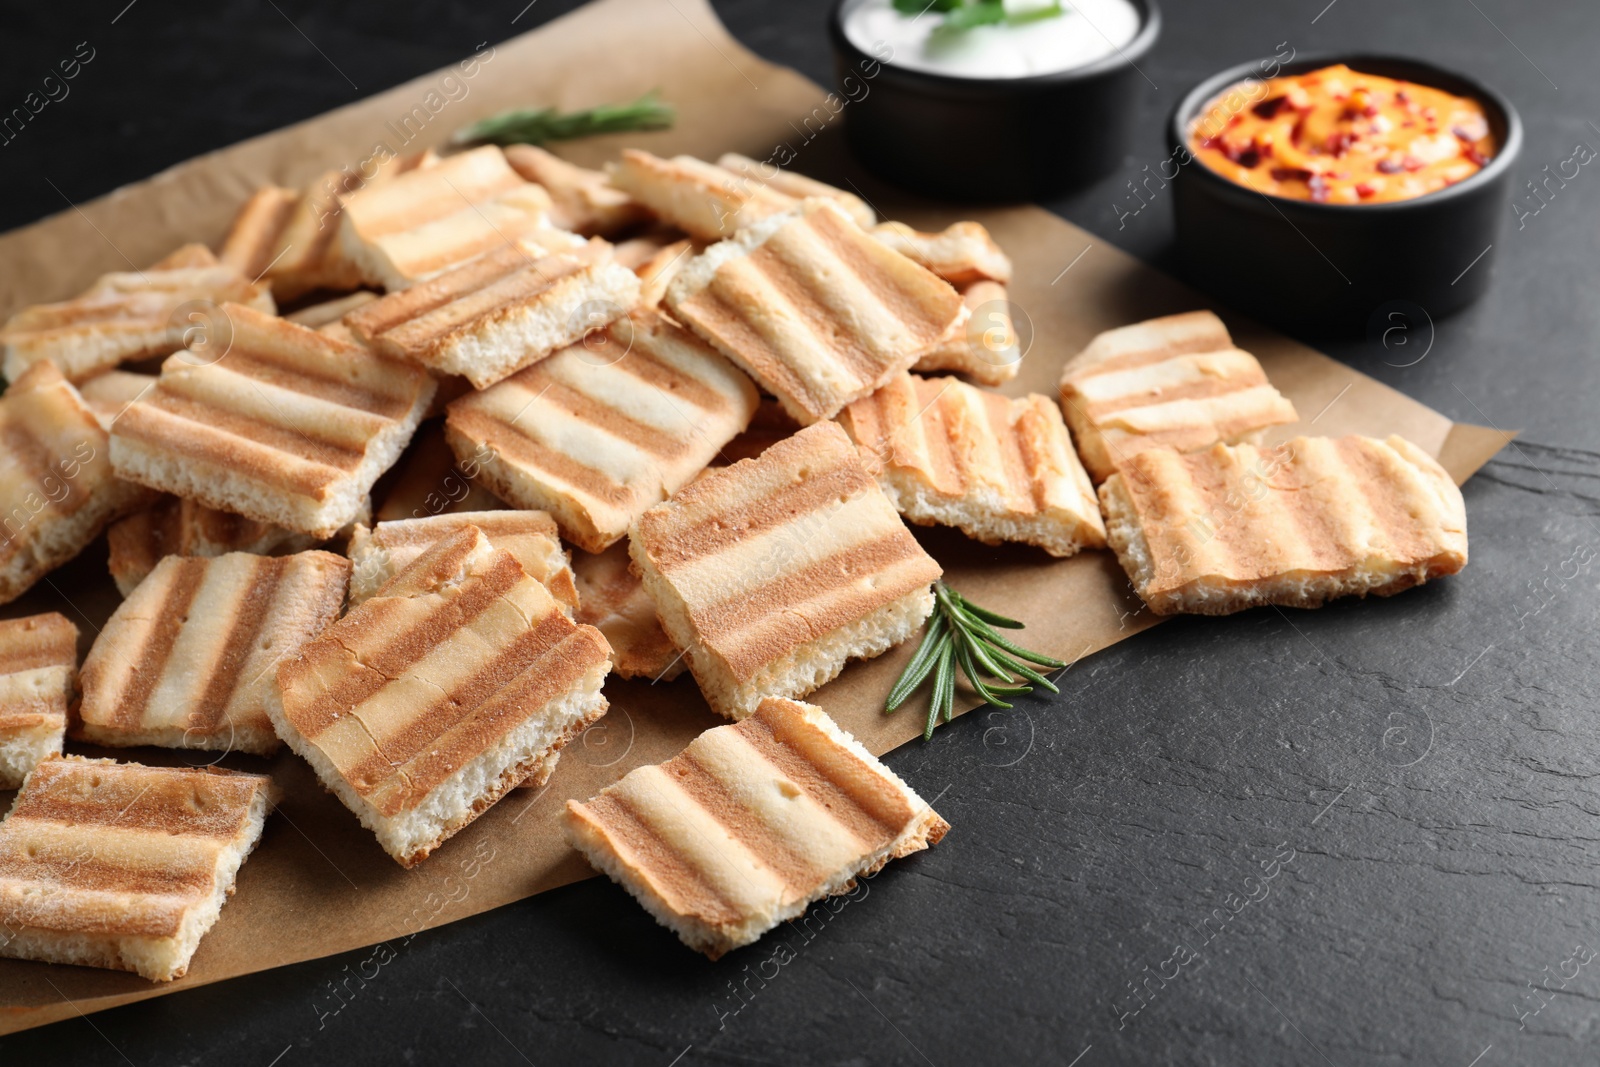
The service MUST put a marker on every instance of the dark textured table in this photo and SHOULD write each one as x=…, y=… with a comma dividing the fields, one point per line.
x=1364, y=835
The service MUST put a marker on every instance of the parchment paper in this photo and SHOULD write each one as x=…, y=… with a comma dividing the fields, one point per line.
x=318, y=884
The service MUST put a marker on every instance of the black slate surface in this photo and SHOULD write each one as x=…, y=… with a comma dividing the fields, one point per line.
x=1417, y=774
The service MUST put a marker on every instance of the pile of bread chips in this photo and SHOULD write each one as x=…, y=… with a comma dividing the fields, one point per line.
x=527, y=424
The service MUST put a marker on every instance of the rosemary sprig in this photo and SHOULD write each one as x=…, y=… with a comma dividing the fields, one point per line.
x=963, y=635
x=536, y=125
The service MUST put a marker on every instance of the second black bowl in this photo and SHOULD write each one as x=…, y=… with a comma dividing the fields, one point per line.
x=1329, y=268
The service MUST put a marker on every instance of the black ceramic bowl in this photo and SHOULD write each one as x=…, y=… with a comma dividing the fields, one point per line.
x=982, y=139
x=1330, y=268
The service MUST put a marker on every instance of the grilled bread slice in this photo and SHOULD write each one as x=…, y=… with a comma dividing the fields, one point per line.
x=961, y=253
x=331, y=312
x=701, y=199
x=797, y=186
x=490, y=318
x=423, y=222
x=186, y=660
x=584, y=200
x=56, y=480
x=38, y=673
x=272, y=421
x=773, y=572
x=1218, y=531
x=983, y=345
x=604, y=429
x=816, y=311
x=380, y=553
x=997, y=468
x=428, y=480
x=125, y=316
x=750, y=824
x=176, y=527
x=428, y=702
x=118, y=865
x=612, y=600
x=1174, y=382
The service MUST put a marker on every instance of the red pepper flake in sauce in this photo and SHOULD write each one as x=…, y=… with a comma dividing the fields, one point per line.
x=1332, y=135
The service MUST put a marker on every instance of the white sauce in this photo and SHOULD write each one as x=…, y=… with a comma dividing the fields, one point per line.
x=1087, y=31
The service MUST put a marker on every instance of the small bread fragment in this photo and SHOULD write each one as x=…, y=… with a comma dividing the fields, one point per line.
x=657, y=269
x=109, y=394
x=187, y=659
x=603, y=429
x=38, y=673
x=770, y=425
x=176, y=527
x=125, y=316
x=584, y=200
x=380, y=553
x=961, y=253
x=798, y=186
x=701, y=199
x=431, y=700
x=1173, y=382
x=996, y=468
x=611, y=598
x=272, y=421
x=329, y=312
x=504, y=311
x=984, y=345
x=774, y=572
x=815, y=310
x=750, y=824
x=57, y=484
x=428, y=220
x=1236, y=526
x=429, y=481
x=119, y=865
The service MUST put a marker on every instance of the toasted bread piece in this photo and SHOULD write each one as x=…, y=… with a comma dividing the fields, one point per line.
x=816, y=311
x=428, y=480
x=176, y=527
x=38, y=673
x=118, y=865
x=612, y=600
x=701, y=199
x=251, y=244
x=56, y=478
x=773, y=572
x=983, y=345
x=1175, y=382
x=1219, y=531
x=798, y=186
x=750, y=824
x=961, y=253
x=602, y=430
x=185, y=661
x=656, y=272
x=997, y=468
x=108, y=395
x=274, y=422
x=490, y=318
x=431, y=700
x=584, y=200
x=426, y=221
x=125, y=316
x=380, y=553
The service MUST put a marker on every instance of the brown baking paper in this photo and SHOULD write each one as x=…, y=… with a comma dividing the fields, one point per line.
x=318, y=884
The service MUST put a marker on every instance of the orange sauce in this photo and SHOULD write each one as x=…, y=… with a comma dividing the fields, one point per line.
x=1341, y=137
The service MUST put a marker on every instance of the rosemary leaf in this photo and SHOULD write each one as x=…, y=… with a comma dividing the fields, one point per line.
x=539, y=125
x=944, y=687
x=979, y=627
x=1018, y=667
x=921, y=664
x=993, y=618
x=964, y=655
